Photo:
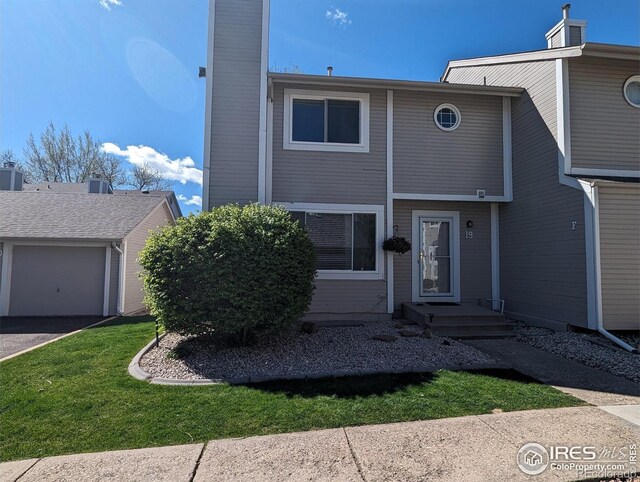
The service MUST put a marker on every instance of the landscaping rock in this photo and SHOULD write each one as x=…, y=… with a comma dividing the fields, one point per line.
x=446, y=342
x=590, y=349
x=347, y=350
x=408, y=333
x=399, y=325
x=427, y=333
x=310, y=327
x=387, y=338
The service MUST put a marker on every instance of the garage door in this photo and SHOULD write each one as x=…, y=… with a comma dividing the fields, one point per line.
x=56, y=280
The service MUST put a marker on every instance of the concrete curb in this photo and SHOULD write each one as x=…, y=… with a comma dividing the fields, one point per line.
x=138, y=373
x=40, y=345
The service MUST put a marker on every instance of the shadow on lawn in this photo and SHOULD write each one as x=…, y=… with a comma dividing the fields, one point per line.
x=368, y=385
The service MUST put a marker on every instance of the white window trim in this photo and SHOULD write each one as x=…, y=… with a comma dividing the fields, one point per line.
x=633, y=78
x=288, y=143
x=378, y=210
x=454, y=109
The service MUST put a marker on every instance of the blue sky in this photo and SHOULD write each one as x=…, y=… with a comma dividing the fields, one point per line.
x=127, y=70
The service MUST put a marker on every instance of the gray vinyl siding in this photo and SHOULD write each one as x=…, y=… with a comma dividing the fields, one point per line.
x=364, y=297
x=236, y=102
x=428, y=160
x=331, y=177
x=575, y=35
x=604, y=127
x=543, y=263
x=556, y=40
x=475, y=254
x=135, y=241
x=620, y=256
x=114, y=282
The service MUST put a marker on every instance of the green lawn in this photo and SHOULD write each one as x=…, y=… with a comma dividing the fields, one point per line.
x=75, y=395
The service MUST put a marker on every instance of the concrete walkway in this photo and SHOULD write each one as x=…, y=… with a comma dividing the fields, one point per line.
x=593, y=386
x=474, y=448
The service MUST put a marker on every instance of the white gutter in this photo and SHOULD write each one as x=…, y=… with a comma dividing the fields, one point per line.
x=120, y=276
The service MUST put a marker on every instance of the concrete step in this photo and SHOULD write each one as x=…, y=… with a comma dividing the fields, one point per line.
x=464, y=321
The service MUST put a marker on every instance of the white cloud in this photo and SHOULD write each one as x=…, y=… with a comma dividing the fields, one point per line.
x=338, y=17
x=107, y=4
x=182, y=170
x=194, y=201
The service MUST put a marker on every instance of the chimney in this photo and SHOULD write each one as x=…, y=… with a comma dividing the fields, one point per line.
x=11, y=179
x=98, y=185
x=567, y=32
x=329, y=71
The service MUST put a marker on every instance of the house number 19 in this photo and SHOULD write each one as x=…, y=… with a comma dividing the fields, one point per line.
x=468, y=234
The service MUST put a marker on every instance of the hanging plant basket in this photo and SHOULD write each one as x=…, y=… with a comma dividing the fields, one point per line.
x=396, y=244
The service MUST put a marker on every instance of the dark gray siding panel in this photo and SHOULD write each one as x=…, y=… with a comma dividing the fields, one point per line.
x=331, y=177
x=428, y=160
x=236, y=101
x=575, y=35
x=604, y=127
x=475, y=254
x=543, y=270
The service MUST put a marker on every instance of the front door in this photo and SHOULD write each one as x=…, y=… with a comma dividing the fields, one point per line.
x=436, y=261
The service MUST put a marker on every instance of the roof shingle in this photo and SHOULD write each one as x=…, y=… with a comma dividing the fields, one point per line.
x=65, y=215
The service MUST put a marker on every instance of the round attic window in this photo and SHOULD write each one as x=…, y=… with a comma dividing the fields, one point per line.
x=631, y=91
x=447, y=117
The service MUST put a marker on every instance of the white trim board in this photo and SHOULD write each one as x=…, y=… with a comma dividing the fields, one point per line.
x=263, y=122
x=390, y=273
x=447, y=197
x=288, y=143
x=580, y=171
x=455, y=254
x=590, y=255
x=208, y=109
x=376, y=209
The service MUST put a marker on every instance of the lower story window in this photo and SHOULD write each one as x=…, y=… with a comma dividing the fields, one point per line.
x=343, y=241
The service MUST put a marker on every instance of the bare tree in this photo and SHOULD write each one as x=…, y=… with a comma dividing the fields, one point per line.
x=146, y=177
x=59, y=157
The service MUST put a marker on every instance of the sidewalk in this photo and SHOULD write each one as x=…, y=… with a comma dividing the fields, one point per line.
x=474, y=448
x=593, y=386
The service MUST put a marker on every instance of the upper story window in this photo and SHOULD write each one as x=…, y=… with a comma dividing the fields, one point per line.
x=631, y=90
x=447, y=117
x=326, y=121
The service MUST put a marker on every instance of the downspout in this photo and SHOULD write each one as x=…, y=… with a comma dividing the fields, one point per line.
x=593, y=197
x=120, y=275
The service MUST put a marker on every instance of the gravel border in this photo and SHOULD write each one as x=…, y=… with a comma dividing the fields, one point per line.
x=330, y=352
x=590, y=349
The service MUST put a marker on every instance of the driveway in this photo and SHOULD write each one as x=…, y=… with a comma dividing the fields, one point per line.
x=17, y=334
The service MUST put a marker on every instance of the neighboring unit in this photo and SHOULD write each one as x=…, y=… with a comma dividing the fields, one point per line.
x=509, y=193
x=571, y=238
x=71, y=249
